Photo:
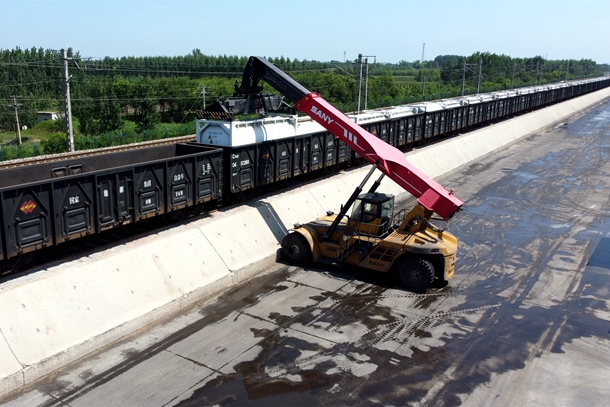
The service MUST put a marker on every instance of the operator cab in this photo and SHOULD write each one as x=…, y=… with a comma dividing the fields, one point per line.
x=373, y=212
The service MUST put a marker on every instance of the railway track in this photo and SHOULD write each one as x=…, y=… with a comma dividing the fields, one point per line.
x=86, y=153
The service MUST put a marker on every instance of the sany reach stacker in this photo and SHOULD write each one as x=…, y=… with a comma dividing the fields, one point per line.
x=373, y=236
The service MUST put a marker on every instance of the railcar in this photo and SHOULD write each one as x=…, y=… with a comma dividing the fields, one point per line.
x=46, y=204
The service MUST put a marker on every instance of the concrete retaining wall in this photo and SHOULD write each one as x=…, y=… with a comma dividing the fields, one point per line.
x=54, y=316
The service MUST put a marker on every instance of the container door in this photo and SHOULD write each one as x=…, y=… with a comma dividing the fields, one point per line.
x=241, y=167
x=343, y=152
x=384, y=132
x=265, y=163
x=149, y=189
x=284, y=159
x=106, y=202
x=73, y=201
x=317, y=145
x=402, y=132
x=27, y=219
x=209, y=185
x=114, y=199
x=180, y=183
x=301, y=155
x=330, y=150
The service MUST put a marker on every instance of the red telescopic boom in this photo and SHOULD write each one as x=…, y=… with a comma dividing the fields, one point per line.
x=391, y=161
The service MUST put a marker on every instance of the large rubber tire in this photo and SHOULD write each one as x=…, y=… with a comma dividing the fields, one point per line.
x=415, y=274
x=295, y=248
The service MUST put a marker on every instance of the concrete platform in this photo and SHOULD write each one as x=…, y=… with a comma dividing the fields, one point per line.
x=57, y=315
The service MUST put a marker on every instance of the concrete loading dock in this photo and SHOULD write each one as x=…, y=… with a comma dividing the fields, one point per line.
x=122, y=289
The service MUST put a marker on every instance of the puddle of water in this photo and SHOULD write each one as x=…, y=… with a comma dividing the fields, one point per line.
x=601, y=255
x=234, y=390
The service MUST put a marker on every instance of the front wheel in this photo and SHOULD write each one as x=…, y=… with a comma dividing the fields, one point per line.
x=296, y=248
x=415, y=274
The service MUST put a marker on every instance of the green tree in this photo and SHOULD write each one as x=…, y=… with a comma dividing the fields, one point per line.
x=146, y=112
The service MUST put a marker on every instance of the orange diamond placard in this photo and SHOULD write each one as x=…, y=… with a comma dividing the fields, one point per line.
x=28, y=207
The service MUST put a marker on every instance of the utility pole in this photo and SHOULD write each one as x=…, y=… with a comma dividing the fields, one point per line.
x=366, y=81
x=423, y=86
x=512, y=77
x=479, y=75
x=203, y=94
x=358, y=83
x=567, y=70
x=366, y=78
x=421, y=66
x=68, y=106
x=463, y=78
x=15, y=104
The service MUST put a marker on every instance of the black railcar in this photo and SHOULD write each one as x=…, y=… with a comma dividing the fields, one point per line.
x=47, y=204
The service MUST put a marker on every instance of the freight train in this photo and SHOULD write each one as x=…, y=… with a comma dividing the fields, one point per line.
x=45, y=204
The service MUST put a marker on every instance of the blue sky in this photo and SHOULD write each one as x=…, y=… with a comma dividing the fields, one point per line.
x=391, y=30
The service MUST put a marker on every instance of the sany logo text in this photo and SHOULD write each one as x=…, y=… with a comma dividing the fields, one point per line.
x=321, y=115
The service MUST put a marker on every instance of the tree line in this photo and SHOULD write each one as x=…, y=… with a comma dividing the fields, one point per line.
x=149, y=91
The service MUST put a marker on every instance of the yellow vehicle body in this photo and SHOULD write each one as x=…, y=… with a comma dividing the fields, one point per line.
x=407, y=242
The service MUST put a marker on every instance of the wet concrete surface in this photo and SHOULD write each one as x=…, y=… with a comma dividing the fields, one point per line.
x=525, y=321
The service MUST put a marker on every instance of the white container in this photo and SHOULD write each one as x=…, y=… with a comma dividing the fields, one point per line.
x=246, y=132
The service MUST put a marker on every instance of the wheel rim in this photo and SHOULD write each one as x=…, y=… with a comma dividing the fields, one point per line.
x=294, y=250
x=415, y=275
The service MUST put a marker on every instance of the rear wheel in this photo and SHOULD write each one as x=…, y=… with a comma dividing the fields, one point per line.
x=296, y=248
x=415, y=274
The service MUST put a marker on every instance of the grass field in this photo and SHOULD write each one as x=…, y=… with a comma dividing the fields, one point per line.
x=41, y=131
x=32, y=140
x=49, y=137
